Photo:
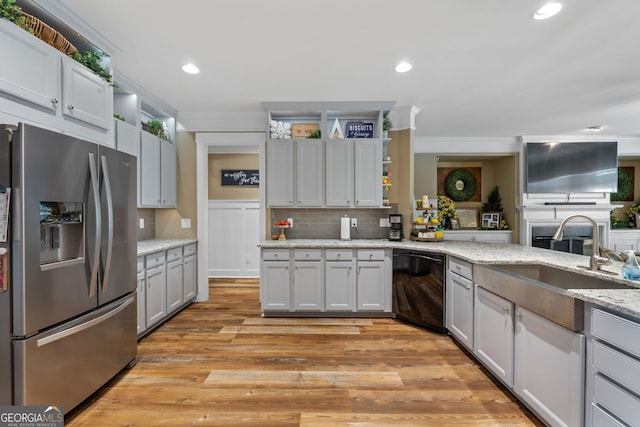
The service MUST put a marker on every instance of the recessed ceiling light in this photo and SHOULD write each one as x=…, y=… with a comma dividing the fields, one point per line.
x=547, y=11
x=190, y=68
x=598, y=128
x=403, y=67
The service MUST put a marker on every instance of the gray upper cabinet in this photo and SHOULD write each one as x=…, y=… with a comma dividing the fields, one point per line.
x=42, y=86
x=149, y=164
x=157, y=164
x=85, y=95
x=343, y=169
x=280, y=172
x=29, y=71
x=127, y=138
x=168, y=174
x=339, y=173
x=309, y=173
x=368, y=173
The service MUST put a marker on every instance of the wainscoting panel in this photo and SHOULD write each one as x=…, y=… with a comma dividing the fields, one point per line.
x=234, y=235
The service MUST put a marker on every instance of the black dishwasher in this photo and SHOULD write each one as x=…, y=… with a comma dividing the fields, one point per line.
x=418, y=288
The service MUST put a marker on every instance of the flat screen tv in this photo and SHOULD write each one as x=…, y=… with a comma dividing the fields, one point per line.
x=572, y=167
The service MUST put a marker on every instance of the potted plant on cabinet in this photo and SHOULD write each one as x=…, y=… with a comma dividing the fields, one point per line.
x=158, y=128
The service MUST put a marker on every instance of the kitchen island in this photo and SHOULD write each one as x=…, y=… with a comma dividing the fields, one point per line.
x=624, y=300
x=584, y=375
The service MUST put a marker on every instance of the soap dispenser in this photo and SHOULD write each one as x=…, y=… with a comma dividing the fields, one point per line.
x=631, y=269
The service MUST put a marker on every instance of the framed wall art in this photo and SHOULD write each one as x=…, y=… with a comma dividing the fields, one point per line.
x=468, y=218
x=455, y=224
x=491, y=220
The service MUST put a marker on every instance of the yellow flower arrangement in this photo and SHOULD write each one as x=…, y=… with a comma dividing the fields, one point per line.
x=631, y=213
x=446, y=208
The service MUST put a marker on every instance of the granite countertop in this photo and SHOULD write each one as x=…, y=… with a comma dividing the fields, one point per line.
x=622, y=300
x=146, y=247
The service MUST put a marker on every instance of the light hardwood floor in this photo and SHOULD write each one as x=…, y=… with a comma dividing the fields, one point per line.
x=220, y=363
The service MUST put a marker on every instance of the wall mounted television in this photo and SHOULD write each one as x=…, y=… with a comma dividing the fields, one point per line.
x=572, y=167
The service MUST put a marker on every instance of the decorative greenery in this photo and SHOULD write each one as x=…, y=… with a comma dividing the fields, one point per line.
x=91, y=60
x=631, y=214
x=13, y=13
x=119, y=117
x=386, y=123
x=625, y=186
x=314, y=135
x=446, y=208
x=493, y=201
x=157, y=127
x=460, y=185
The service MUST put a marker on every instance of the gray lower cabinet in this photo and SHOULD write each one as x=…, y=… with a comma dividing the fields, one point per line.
x=541, y=361
x=141, y=296
x=493, y=333
x=167, y=282
x=340, y=280
x=459, y=301
x=317, y=280
x=156, y=308
x=189, y=273
x=613, y=369
x=307, y=280
x=275, y=280
x=549, y=368
x=174, y=279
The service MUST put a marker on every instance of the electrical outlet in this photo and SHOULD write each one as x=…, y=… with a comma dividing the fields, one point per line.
x=141, y=222
x=354, y=222
x=384, y=223
x=185, y=223
x=290, y=220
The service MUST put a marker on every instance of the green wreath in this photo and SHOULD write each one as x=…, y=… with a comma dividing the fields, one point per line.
x=625, y=186
x=460, y=185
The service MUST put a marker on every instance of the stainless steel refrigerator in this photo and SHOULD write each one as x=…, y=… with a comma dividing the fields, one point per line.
x=67, y=266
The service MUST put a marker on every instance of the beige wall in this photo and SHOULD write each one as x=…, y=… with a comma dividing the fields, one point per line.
x=501, y=171
x=217, y=162
x=168, y=221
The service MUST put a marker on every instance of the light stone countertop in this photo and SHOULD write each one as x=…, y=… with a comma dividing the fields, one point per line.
x=146, y=247
x=622, y=300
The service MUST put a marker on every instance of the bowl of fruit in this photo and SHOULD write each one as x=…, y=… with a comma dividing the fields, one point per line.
x=282, y=225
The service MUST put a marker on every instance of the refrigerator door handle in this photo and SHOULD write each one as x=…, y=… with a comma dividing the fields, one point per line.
x=107, y=190
x=83, y=326
x=96, y=250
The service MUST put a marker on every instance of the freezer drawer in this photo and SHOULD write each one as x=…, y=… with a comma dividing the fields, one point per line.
x=66, y=365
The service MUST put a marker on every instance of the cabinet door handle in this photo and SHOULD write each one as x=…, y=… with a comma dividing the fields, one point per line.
x=54, y=101
x=70, y=107
x=506, y=309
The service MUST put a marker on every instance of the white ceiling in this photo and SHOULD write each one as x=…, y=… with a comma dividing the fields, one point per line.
x=481, y=68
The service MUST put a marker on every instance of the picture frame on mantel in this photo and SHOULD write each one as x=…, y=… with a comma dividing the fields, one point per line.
x=491, y=220
x=468, y=218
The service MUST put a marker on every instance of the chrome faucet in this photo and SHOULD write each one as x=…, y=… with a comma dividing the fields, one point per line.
x=596, y=260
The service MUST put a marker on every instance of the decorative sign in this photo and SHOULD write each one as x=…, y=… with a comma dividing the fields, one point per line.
x=240, y=177
x=359, y=129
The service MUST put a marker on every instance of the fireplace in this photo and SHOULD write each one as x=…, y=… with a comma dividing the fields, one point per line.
x=540, y=221
x=576, y=239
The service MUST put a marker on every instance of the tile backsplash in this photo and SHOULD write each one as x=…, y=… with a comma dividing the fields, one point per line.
x=149, y=230
x=325, y=223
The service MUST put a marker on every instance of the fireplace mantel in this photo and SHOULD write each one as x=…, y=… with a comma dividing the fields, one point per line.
x=552, y=214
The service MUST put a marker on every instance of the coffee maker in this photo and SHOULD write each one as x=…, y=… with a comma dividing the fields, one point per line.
x=395, y=224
